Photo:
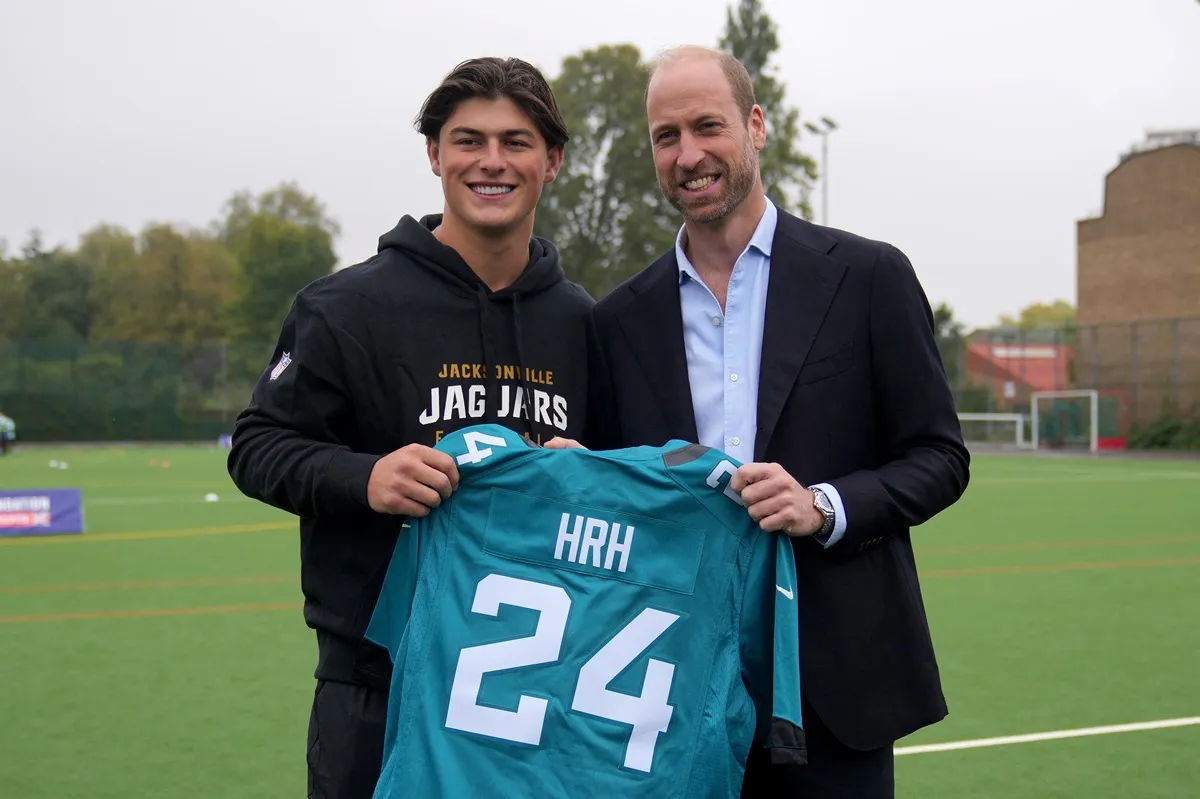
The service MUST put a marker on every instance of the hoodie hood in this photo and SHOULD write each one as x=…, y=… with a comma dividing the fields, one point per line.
x=416, y=240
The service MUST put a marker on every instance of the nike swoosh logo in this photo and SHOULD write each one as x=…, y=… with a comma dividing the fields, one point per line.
x=784, y=591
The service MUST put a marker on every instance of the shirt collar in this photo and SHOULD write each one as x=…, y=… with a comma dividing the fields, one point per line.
x=764, y=235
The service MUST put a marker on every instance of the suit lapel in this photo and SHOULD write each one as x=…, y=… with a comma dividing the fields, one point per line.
x=653, y=324
x=800, y=289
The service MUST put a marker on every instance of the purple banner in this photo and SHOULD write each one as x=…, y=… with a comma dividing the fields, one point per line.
x=47, y=511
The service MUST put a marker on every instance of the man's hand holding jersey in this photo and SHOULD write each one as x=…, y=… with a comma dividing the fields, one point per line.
x=776, y=500
x=411, y=481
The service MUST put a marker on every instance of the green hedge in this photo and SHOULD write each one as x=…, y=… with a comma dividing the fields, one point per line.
x=125, y=391
x=1168, y=432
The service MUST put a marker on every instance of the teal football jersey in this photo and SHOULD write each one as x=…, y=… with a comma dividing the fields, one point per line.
x=574, y=623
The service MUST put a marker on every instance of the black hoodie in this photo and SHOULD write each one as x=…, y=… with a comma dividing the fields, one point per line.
x=403, y=348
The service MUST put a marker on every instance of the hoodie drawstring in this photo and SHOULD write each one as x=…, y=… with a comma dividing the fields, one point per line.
x=489, y=359
x=516, y=301
x=493, y=369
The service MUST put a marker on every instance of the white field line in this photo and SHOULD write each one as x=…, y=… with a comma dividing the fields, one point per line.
x=1047, y=736
x=1086, y=478
x=160, y=500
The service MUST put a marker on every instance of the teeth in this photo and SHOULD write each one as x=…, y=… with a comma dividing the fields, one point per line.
x=699, y=183
x=492, y=189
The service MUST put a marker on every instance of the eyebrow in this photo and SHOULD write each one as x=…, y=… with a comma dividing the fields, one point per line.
x=663, y=127
x=462, y=131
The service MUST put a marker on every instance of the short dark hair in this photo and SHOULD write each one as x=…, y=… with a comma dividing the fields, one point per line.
x=493, y=78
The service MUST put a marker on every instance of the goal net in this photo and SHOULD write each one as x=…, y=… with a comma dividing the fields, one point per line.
x=1066, y=419
x=995, y=430
x=1084, y=419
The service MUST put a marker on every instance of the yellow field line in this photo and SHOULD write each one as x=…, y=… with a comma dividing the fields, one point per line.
x=152, y=612
x=1060, y=567
x=211, y=582
x=217, y=609
x=100, y=538
x=1035, y=546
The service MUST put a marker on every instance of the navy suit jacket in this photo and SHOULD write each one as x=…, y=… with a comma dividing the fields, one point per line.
x=853, y=392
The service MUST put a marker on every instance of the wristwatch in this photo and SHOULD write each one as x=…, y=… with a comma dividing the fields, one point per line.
x=825, y=508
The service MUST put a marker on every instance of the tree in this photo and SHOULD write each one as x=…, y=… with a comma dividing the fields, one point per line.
x=282, y=241
x=167, y=285
x=945, y=326
x=604, y=211
x=1058, y=314
x=787, y=173
x=13, y=289
x=111, y=253
x=950, y=335
x=286, y=202
x=57, y=284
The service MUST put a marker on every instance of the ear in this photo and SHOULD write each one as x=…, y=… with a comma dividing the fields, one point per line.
x=435, y=156
x=758, y=128
x=554, y=162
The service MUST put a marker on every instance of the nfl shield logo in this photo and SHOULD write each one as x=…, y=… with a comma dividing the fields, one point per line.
x=279, y=367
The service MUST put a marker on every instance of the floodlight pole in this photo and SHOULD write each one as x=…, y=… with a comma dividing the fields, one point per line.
x=829, y=126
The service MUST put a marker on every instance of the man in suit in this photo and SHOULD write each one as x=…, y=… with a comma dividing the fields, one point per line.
x=808, y=353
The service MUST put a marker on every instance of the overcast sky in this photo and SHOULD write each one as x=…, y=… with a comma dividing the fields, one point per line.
x=973, y=135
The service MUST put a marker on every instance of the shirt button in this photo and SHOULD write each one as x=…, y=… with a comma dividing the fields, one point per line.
x=735, y=441
x=733, y=377
x=717, y=321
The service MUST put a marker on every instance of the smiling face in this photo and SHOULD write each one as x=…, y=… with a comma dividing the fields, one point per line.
x=705, y=150
x=493, y=164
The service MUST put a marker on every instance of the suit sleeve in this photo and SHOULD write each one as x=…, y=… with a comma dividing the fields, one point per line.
x=289, y=448
x=926, y=464
x=601, y=425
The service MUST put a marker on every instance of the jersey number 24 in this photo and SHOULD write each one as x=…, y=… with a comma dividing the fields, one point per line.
x=648, y=713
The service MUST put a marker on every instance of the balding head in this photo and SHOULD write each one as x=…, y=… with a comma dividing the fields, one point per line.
x=735, y=73
x=706, y=133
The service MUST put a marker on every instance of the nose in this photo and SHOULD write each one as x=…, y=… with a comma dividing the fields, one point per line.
x=493, y=159
x=690, y=153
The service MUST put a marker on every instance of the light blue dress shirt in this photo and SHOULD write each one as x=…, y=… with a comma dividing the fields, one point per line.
x=724, y=351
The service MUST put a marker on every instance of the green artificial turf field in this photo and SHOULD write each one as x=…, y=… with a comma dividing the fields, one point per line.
x=162, y=653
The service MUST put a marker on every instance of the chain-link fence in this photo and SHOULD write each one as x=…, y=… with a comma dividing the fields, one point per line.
x=126, y=391
x=170, y=391
x=1145, y=370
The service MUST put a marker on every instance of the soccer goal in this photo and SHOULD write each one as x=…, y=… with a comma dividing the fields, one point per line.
x=998, y=430
x=1066, y=419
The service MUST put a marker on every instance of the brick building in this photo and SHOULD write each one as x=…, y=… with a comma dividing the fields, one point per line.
x=1011, y=365
x=1138, y=280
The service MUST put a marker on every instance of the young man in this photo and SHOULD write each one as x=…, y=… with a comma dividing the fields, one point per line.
x=808, y=354
x=461, y=318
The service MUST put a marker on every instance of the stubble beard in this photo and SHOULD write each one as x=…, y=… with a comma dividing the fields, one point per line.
x=739, y=181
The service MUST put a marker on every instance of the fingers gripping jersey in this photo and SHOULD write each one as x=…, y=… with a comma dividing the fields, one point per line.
x=587, y=624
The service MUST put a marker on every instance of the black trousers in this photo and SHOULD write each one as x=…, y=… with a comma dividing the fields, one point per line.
x=345, y=740
x=833, y=771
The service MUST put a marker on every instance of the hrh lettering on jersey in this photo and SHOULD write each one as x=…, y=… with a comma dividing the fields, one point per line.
x=596, y=542
x=468, y=401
